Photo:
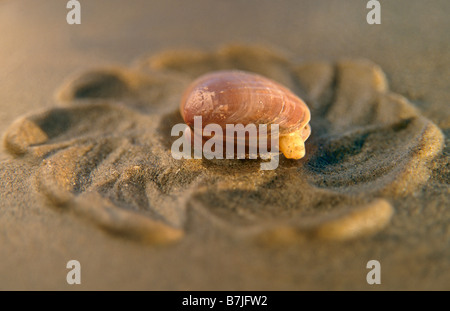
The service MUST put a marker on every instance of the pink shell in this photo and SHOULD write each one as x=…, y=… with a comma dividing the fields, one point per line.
x=232, y=97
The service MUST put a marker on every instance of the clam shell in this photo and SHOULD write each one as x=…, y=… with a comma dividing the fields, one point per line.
x=232, y=97
x=239, y=97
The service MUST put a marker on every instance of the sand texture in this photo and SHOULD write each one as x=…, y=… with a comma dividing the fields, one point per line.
x=90, y=175
x=105, y=154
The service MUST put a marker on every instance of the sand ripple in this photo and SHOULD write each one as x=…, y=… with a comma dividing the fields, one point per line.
x=104, y=153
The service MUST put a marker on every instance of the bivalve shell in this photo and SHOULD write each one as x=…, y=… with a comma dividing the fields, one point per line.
x=238, y=97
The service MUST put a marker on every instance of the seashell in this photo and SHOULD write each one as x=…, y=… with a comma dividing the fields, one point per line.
x=239, y=97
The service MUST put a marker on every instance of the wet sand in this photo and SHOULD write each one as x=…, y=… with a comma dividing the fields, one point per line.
x=87, y=172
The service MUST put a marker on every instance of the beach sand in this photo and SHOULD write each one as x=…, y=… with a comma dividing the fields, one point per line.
x=87, y=172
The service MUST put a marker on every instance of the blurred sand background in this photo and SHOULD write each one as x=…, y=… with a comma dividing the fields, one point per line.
x=39, y=51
